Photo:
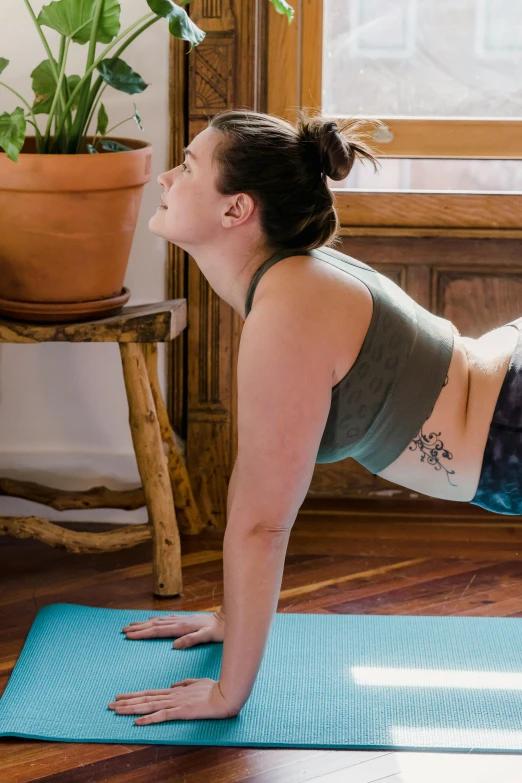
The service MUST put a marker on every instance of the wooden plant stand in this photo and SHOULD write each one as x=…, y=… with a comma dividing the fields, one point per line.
x=165, y=489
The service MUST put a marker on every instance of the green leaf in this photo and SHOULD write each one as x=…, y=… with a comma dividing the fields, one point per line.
x=92, y=150
x=73, y=18
x=12, y=132
x=103, y=121
x=180, y=24
x=3, y=64
x=44, y=86
x=119, y=75
x=282, y=7
x=113, y=146
x=136, y=116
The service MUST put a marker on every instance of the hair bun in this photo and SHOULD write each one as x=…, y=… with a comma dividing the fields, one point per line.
x=333, y=149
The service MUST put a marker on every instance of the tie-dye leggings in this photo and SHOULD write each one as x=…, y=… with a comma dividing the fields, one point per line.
x=500, y=483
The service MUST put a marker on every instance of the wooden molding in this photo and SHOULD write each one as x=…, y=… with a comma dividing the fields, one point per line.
x=311, y=52
x=176, y=354
x=225, y=71
x=440, y=137
x=409, y=210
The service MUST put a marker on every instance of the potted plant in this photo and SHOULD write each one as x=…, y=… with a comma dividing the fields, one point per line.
x=69, y=199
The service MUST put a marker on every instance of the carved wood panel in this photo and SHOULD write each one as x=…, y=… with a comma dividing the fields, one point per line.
x=224, y=71
x=477, y=300
x=211, y=76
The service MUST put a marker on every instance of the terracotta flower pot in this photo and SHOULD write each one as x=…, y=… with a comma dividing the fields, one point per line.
x=66, y=229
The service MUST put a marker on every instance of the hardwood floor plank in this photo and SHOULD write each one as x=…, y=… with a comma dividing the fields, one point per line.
x=54, y=757
x=74, y=582
x=296, y=592
x=412, y=596
x=378, y=587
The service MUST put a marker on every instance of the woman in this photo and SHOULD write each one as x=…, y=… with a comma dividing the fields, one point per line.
x=334, y=360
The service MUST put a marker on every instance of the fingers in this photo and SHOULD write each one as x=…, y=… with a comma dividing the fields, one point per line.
x=174, y=713
x=148, y=623
x=140, y=706
x=137, y=698
x=161, y=618
x=188, y=639
x=157, y=691
x=152, y=628
x=156, y=627
x=154, y=632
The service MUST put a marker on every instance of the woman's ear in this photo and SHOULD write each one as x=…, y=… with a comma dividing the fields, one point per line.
x=239, y=210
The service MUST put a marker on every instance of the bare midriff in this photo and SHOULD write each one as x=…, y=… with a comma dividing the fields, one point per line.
x=452, y=440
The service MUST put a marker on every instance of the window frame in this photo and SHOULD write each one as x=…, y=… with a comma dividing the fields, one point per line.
x=294, y=76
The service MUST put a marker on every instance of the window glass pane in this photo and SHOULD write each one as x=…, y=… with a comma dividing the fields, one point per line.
x=486, y=176
x=444, y=58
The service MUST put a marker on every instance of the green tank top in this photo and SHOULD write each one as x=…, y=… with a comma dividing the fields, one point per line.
x=390, y=390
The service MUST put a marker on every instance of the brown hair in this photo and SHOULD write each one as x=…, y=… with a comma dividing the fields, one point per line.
x=284, y=167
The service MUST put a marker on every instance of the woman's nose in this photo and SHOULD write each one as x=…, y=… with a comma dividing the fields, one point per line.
x=167, y=178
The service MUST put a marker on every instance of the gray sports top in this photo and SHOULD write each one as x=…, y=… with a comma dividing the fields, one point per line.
x=390, y=390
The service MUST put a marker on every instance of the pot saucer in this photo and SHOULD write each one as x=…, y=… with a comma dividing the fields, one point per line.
x=63, y=312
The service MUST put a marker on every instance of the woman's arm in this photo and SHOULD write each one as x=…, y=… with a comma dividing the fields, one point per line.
x=230, y=499
x=231, y=488
x=284, y=395
x=253, y=563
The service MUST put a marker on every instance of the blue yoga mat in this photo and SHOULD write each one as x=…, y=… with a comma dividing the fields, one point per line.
x=326, y=681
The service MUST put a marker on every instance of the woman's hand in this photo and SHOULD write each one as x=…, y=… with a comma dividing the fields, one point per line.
x=188, y=699
x=190, y=629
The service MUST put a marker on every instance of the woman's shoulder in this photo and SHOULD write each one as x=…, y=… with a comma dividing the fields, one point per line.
x=308, y=289
x=320, y=307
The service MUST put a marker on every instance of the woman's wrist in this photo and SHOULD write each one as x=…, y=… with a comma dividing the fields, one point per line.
x=234, y=708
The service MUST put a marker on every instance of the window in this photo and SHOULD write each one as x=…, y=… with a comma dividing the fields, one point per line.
x=444, y=76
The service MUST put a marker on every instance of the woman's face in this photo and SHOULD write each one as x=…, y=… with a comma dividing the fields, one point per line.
x=191, y=210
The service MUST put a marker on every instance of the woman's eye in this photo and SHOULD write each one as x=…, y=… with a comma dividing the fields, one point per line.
x=184, y=166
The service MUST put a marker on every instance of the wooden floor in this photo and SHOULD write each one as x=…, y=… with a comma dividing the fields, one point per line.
x=376, y=559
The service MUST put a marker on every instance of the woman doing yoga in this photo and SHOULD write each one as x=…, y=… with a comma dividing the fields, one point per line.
x=335, y=360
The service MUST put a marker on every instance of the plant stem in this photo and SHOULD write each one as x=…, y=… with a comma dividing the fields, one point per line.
x=44, y=41
x=104, y=136
x=65, y=96
x=2, y=84
x=83, y=107
x=116, y=126
x=94, y=104
x=96, y=86
x=38, y=135
x=98, y=60
x=57, y=94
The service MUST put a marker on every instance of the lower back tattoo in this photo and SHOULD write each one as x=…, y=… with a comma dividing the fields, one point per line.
x=431, y=451
x=431, y=448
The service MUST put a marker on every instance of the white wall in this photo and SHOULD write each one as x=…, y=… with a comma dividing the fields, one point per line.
x=63, y=411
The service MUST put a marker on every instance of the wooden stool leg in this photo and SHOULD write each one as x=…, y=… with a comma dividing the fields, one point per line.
x=190, y=522
x=154, y=473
